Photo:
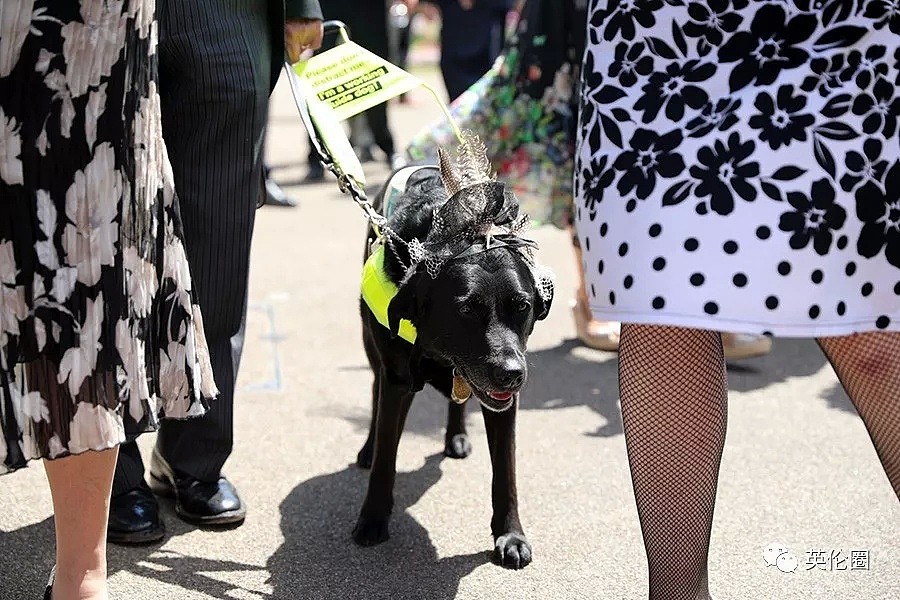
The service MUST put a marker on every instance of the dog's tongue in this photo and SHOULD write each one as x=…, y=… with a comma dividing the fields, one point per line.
x=501, y=396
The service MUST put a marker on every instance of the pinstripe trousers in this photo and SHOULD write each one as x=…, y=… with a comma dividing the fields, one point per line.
x=214, y=81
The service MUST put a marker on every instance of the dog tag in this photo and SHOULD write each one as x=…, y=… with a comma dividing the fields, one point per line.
x=461, y=390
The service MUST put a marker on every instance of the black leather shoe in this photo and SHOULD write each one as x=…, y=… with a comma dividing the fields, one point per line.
x=198, y=502
x=134, y=518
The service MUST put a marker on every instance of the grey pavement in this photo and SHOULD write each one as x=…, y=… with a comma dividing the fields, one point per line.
x=798, y=470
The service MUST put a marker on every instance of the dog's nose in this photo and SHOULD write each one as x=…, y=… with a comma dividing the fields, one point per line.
x=510, y=374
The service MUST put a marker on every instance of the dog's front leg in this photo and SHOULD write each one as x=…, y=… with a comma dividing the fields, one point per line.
x=394, y=401
x=364, y=457
x=456, y=440
x=511, y=548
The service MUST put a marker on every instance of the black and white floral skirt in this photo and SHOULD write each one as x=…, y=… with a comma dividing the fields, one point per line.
x=738, y=165
x=97, y=322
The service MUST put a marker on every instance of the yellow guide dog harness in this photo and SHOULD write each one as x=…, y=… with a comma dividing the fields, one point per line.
x=377, y=289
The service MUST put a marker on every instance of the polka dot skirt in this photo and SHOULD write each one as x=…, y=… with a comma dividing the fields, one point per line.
x=738, y=165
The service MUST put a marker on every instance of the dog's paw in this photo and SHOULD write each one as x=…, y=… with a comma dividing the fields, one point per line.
x=458, y=446
x=512, y=551
x=364, y=458
x=370, y=532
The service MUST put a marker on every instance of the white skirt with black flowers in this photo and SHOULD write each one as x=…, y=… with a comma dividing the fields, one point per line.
x=739, y=164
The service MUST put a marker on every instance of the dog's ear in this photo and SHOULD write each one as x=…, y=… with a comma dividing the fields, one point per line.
x=543, y=296
x=407, y=304
x=542, y=307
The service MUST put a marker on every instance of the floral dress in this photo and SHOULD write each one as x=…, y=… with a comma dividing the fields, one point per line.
x=738, y=164
x=97, y=322
x=525, y=110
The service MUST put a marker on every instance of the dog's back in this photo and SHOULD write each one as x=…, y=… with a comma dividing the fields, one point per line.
x=408, y=203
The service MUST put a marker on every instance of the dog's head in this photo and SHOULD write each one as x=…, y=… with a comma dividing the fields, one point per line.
x=477, y=314
x=473, y=291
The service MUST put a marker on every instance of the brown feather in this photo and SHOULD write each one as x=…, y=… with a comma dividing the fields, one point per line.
x=449, y=174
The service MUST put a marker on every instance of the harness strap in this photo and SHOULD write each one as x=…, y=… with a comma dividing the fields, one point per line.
x=396, y=187
x=377, y=289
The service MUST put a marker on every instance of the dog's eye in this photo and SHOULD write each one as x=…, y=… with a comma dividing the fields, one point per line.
x=522, y=305
x=466, y=309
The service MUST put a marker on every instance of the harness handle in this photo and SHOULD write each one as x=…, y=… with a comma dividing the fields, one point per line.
x=334, y=149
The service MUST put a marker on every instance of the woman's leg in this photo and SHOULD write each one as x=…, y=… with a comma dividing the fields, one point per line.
x=80, y=486
x=595, y=334
x=673, y=391
x=581, y=296
x=868, y=366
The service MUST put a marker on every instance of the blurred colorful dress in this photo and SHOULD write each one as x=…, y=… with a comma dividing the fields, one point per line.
x=97, y=321
x=525, y=109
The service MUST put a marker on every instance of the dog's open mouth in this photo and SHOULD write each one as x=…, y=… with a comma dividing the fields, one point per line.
x=495, y=401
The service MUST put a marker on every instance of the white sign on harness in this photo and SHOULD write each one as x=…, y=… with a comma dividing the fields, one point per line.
x=349, y=79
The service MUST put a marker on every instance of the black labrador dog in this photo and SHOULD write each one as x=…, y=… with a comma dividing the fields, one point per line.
x=473, y=312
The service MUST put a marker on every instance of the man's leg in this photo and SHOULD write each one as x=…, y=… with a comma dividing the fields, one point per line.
x=133, y=511
x=316, y=173
x=377, y=119
x=214, y=91
x=214, y=88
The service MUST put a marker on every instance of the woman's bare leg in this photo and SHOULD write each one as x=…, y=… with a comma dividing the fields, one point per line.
x=594, y=334
x=581, y=296
x=81, y=486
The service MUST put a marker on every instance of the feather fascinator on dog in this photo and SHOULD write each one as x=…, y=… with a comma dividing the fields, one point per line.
x=479, y=215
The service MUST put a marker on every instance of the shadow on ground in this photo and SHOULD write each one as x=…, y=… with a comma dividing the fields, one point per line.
x=789, y=358
x=26, y=557
x=319, y=560
x=570, y=375
x=837, y=399
x=192, y=573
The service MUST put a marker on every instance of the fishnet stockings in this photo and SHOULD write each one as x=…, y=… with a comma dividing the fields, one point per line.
x=673, y=390
x=674, y=409
x=868, y=366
